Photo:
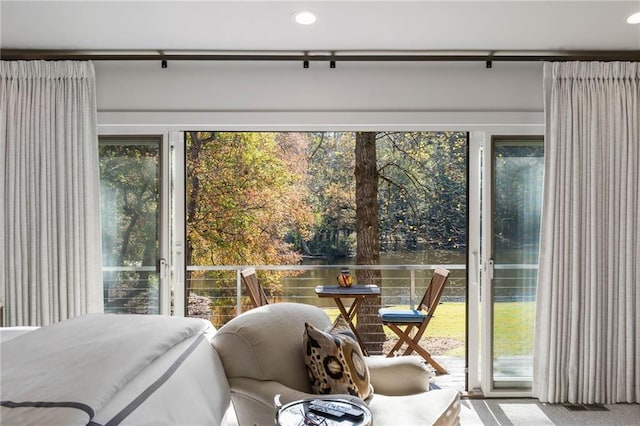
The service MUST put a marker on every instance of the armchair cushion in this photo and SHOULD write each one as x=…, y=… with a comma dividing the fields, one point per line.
x=401, y=375
x=437, y=408
x=335, y=362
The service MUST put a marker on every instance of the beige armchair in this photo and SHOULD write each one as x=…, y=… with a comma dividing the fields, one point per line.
x=262, y=354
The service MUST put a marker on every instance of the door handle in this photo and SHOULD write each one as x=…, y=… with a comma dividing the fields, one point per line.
x=162, y=268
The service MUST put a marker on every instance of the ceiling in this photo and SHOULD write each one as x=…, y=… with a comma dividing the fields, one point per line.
x=426, y=25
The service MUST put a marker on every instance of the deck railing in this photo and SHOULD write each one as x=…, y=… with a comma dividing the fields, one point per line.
x=222, y=285
x=217, y=292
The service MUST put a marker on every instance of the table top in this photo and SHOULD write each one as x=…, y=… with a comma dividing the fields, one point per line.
x=298, y=413
x=354, y=290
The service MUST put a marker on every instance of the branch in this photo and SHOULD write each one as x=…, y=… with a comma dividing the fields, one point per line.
x=402, y=188
x=320, y=142
x=415, y=180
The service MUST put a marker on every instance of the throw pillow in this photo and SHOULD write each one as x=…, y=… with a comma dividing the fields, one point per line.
x=335, y=362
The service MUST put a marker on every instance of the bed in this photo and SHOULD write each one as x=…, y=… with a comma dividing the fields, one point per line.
x=112, y=369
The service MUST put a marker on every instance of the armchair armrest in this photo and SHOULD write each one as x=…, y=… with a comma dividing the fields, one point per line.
x=253, y=399
x=403, y=375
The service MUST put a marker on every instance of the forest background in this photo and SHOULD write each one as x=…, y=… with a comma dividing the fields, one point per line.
x=273, y=198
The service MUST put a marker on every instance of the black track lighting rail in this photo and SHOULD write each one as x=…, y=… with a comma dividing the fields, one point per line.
x=332, y=57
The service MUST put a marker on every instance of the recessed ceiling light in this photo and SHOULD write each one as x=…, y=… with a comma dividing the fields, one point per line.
x=305, y=18
x=634, y=19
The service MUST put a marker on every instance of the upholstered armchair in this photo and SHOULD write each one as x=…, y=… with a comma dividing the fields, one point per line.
x=262, y=353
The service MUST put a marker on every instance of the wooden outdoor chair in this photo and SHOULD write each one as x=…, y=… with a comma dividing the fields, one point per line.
x=416, y=319
x=256, y=293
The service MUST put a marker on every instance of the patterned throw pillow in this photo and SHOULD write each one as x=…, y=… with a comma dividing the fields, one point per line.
x=335, y=362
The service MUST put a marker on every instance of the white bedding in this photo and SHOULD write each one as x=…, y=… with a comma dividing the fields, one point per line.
x=112, y=369
x=8, y=333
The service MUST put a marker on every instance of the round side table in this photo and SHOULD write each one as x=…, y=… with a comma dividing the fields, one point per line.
x=299, y=413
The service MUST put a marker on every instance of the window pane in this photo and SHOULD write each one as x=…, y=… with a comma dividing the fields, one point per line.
x=129, y=177
x=518, y=168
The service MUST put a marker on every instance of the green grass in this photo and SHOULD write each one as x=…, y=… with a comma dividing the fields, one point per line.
x=513, y=329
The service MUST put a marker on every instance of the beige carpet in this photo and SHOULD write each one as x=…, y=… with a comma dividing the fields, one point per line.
x=529, y=412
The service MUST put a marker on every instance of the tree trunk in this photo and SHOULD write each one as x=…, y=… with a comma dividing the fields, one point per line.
x=193, y=196
x=368, y=240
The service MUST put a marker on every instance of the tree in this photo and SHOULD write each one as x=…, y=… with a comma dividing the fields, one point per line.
x=423, y=190
x=332, y=190
x=368, y=240
x=421, y=195
x=245, y=195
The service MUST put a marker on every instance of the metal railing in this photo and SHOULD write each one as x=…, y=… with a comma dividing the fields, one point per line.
x=131, y=289
x=504, y=277
x=400, y=285
x=220, y=296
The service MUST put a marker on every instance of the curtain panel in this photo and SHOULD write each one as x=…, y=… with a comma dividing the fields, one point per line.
x=587, y=335
x=50, y=238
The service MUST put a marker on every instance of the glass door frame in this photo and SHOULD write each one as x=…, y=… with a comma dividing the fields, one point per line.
x=165, y=201
x=474, y=308
x=486, y=266
x=178, y=268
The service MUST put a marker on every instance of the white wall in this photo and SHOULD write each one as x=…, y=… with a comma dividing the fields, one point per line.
x=272, y=95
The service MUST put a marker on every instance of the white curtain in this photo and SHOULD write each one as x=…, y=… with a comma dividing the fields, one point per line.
x=50, y=239
x=587, y=336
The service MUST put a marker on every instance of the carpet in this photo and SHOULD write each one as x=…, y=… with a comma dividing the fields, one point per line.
x=530, y=412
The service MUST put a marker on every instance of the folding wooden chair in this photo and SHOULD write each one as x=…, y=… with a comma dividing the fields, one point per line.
x=256, y=293
x=417, y=319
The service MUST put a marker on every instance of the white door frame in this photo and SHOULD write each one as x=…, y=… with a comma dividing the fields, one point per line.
x=476, y=142
x=178, y=224
x=165, y=237
x=485, y=271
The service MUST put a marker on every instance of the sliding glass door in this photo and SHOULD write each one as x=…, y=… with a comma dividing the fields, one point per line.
x=131, y=170
x=516, y=199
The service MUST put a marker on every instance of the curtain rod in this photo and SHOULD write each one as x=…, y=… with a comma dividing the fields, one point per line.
x=331, y=56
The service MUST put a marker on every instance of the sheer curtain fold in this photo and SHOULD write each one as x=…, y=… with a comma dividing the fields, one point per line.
x=50, y=260
x=587, y=334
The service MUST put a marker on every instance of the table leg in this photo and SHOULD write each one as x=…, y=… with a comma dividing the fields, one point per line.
x=348, y=316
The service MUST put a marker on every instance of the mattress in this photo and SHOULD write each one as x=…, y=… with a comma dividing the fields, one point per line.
x=113, y=369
